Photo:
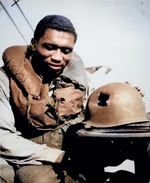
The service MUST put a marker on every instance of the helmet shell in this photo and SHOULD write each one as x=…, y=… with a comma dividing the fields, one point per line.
x=115, y=104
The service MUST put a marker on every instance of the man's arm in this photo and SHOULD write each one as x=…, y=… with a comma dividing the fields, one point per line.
x=15, y=148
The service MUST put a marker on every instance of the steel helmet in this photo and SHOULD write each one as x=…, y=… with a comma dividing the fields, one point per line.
x=115, y=104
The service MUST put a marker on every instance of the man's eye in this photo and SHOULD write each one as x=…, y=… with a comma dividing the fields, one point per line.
x=66, y=50
x=50, y=47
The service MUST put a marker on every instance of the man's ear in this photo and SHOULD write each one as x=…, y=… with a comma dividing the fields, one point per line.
x=33, y=44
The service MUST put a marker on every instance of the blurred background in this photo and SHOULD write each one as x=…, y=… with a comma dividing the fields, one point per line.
x=113, y=35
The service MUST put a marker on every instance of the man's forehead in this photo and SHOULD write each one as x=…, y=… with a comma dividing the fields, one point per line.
x=53, y=36
x=57, y=33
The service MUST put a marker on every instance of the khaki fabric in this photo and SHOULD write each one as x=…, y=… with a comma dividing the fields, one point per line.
x=51, y=139
x=54, y=138
x=42, y=174
x=36, y=174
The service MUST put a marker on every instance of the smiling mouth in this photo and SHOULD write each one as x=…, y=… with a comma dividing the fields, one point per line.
x=56, y=66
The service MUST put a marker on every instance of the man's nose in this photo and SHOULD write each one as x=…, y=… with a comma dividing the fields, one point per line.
x=57, y=55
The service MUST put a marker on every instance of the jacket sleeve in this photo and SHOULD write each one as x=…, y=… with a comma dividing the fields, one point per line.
x=13, y=147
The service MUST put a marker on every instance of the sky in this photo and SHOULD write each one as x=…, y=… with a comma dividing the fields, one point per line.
x=114, y=34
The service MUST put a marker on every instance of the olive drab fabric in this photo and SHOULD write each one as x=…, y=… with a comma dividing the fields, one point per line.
x=31, y=96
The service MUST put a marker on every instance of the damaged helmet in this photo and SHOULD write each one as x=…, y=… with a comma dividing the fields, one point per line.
x=115, y=104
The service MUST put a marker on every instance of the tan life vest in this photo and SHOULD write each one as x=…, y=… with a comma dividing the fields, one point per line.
x=31, y=96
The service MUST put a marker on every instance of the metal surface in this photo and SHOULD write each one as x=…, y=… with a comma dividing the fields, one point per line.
x=141, y=130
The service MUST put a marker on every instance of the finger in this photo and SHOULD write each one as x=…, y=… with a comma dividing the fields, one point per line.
x=142, y=93
x=128, y=82
x=138, y=88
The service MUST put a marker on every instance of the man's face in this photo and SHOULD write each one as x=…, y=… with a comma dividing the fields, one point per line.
x=54, y=50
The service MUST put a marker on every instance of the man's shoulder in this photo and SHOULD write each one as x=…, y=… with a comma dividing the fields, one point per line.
x=13, y=52
x=76, y=57
x=74, y=64
x=76, y=70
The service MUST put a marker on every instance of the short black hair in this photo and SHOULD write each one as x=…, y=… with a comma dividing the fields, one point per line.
x=56, y=22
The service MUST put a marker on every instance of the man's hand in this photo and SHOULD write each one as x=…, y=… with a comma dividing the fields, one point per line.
x=138, y=89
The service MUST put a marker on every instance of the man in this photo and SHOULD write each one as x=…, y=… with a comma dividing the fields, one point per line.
x=36, y=101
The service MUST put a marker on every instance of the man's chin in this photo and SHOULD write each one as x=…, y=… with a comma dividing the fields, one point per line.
x=56, y=72
x=51, y=72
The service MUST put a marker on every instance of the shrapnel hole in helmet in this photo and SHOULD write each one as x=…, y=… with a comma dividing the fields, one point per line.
x=102, y=99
